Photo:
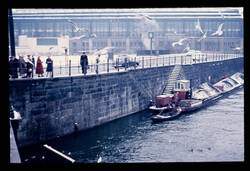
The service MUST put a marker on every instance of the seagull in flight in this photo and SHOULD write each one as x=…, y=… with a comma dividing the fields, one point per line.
x=92, y=35
x=203, y=37
x=180, y=42
x=76, y=28
x=145, y=16
x=99, y=160
x=79, y=37
x=219, y=31
x=187, y=48
x=198, y=26
x=237, y=48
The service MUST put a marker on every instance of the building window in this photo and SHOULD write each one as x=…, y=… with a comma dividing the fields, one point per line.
x=46, y=41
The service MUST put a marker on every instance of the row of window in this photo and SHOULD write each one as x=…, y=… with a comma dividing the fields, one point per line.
x=121, y=29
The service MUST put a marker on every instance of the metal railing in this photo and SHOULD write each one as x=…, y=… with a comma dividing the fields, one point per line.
x=144, y=62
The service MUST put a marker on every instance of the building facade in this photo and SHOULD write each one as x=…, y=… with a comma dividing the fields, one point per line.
x=127, y=29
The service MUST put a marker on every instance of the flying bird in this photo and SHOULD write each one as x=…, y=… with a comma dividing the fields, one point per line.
x=203, y=37
x=237, y=48
x=219, y=31
x=76, y=28
x=187, y=48
x=78, y=37
x=180, y=42
x=92, y=35
x=198, y=26
x=99, y=160
x=145, y=16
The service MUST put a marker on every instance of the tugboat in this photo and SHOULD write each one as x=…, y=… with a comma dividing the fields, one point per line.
x=183, y=99
x=167, y=106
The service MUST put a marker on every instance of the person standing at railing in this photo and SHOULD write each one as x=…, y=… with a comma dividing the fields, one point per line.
x=97, y=63
x=39, y=67
x=29, y=65
x=84, y=63
x=22, y=67
x=33, y=61
x=13, y=65
x=49, y=69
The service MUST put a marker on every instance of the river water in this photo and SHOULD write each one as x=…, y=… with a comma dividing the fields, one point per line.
x=212, y=134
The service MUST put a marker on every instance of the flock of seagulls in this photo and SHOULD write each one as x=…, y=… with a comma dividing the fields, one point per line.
x=218, y=32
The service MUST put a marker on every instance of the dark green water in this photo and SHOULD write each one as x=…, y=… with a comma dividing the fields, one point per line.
x=215, y=133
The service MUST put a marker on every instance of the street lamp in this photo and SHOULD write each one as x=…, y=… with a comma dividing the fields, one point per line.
x=11, y=32
x=151, y=36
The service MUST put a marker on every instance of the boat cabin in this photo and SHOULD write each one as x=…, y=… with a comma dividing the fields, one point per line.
x=182, y=89
x=163, y=100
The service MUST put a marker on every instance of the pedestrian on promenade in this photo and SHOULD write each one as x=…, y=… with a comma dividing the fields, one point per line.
x=22, y=67
x=49, y=69
x=29, y=65
x=97, y=63
x=34, y=67
x=39, y=67
x=13, y=65
x=84, y=63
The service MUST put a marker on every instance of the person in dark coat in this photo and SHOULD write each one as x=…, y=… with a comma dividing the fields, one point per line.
x=34, y=67
x=84, y=63
x=29, y=65
x=39, y=67
x=97, y=63
x=13, y=65
x=22, y=67
x=49, y=69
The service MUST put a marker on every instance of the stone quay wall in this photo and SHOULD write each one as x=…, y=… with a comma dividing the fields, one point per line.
x=54, y=107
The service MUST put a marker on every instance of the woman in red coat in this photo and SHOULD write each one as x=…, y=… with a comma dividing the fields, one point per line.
x=39, y=67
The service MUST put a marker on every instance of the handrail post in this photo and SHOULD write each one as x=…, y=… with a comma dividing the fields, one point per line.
x=108, y=65
x=69, y=67
x=150, y=62
x=52, y=74
x=143, y=62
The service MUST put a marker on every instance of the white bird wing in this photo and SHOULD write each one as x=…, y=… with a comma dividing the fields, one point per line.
x=218, y=31
x=82, y=36
x=187, y=48
x=198, y=26
x=181, y=40
x=174, y=43
x=84, y=29
x=93, y=35
x=237, y=48
x=215, y=33
x=79, y=37
x=220, y=27
x=99, y=160
x=203, y=37
x=75, y=26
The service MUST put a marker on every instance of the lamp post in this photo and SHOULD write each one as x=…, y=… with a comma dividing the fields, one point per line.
x=11, y=32
x=151, y=36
